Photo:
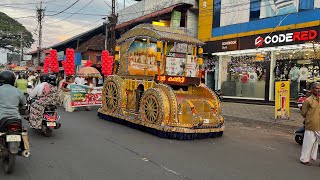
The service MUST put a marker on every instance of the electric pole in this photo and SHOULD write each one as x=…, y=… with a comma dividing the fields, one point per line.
x=106, y=24
x=112, y=24
x=40, y=15
x=21, y=47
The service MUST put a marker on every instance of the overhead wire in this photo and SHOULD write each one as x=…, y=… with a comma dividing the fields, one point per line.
x=80, y=27
x=64, y=9
x=58, y=6
x=72, y=13
x=23, y=4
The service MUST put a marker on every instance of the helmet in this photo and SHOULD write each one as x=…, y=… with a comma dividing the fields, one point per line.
x=44, y=78
x=7, y=77
x=52, y=80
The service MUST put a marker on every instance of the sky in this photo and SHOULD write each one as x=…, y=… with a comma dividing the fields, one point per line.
x=57, y=28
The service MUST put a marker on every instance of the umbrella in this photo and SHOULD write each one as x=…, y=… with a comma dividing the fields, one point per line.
x=19, y=68
x=89, y=72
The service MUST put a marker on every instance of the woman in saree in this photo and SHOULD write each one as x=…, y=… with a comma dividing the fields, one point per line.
x=67, y=96
x=46, y=94
x=62, y=82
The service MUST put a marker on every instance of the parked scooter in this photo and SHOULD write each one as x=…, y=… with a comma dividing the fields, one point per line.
x=50, y=118
x=302, y=97
x=299, y=134
x=13, y=142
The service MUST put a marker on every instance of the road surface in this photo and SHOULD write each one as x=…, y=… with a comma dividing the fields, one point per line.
x=88, y=148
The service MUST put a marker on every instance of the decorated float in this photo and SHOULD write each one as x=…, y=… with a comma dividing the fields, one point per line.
x=156, y=86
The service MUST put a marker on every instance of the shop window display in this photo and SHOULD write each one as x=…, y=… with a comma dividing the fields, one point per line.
x=299, y=69
x=211, y=70
x=243, y=76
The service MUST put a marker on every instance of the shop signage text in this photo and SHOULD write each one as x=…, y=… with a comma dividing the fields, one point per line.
x=279, y=38
x=177, y=80
x=229, y=45
x=307, y=35
x=177, y=55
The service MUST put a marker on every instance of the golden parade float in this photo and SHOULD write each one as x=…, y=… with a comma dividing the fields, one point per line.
x=156, y=86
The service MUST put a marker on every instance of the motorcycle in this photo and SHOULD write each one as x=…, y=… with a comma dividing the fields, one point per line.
x=13, y=142
x=50, y=118
x=302, y=97
x=299, y=134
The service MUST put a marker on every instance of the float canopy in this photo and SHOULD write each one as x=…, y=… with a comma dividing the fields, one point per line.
x=160, y=33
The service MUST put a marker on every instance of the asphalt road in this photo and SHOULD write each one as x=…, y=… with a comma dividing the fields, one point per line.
x=88, y=148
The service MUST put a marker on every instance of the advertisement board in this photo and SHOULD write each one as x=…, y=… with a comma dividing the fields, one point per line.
x=282, y=100
x=142, y=58
x=175, y=66
x=270, y=8
x=191, y=66
x=278, y=38
x=316, y=3
x=60, y=55
x=234, y=12
x=82, y=95
x=175, y=19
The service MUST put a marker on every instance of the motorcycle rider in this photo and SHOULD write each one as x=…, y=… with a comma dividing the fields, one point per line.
x=46, y=94
x=44, y=79
x=10, y=97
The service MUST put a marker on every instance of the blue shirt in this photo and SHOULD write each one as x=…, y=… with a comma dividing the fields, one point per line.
x=10, y=99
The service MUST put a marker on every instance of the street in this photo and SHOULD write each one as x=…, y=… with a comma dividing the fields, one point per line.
x=90, y=148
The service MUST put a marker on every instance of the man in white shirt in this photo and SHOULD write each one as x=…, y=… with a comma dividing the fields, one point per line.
x=304, y=73
x=37, y=91
x=79, y=81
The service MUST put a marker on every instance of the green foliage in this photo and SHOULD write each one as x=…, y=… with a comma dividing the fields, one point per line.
x=10, y=34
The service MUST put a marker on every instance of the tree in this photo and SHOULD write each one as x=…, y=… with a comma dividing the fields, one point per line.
x=10, y=34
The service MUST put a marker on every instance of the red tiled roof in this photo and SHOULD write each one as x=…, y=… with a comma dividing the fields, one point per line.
x=148, y=16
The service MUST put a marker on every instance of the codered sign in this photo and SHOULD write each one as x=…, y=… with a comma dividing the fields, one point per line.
x=278, y=38
x=307, y=35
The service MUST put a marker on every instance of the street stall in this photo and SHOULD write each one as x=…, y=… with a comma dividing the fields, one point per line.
x=84, y=95
x=156, y=85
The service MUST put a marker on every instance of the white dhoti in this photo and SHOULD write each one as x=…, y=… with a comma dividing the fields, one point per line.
x=67, y=103
x=310, y=146
x=61, y=97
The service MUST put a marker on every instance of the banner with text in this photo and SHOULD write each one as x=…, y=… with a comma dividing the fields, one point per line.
x=82, y=95
x=270, y=8
x=234, y=12
x=282, y=100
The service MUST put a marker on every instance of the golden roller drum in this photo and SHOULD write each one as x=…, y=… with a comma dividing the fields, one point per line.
x=157, y=87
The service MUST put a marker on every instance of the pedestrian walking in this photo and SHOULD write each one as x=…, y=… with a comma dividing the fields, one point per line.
x=67, y=95
x=310, y=111
x=61, y=83
x=22, y=83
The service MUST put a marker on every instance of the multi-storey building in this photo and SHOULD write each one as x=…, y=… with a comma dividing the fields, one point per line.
x=251, y=44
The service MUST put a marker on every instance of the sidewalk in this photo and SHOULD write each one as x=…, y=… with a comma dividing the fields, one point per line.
x=259, y=113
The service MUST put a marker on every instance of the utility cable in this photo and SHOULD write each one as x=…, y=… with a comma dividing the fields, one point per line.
x=64, y=9
x=72, y=13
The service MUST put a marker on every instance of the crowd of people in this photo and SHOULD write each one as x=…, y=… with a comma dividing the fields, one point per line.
x=63, y=85
x=43, y=89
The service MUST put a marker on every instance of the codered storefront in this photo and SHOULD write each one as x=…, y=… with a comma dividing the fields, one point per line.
x=248, y=67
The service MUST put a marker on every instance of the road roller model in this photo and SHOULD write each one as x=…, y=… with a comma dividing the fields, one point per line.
x=156, y=86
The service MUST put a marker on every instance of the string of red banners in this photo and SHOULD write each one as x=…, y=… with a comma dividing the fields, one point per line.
x=51, y=63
